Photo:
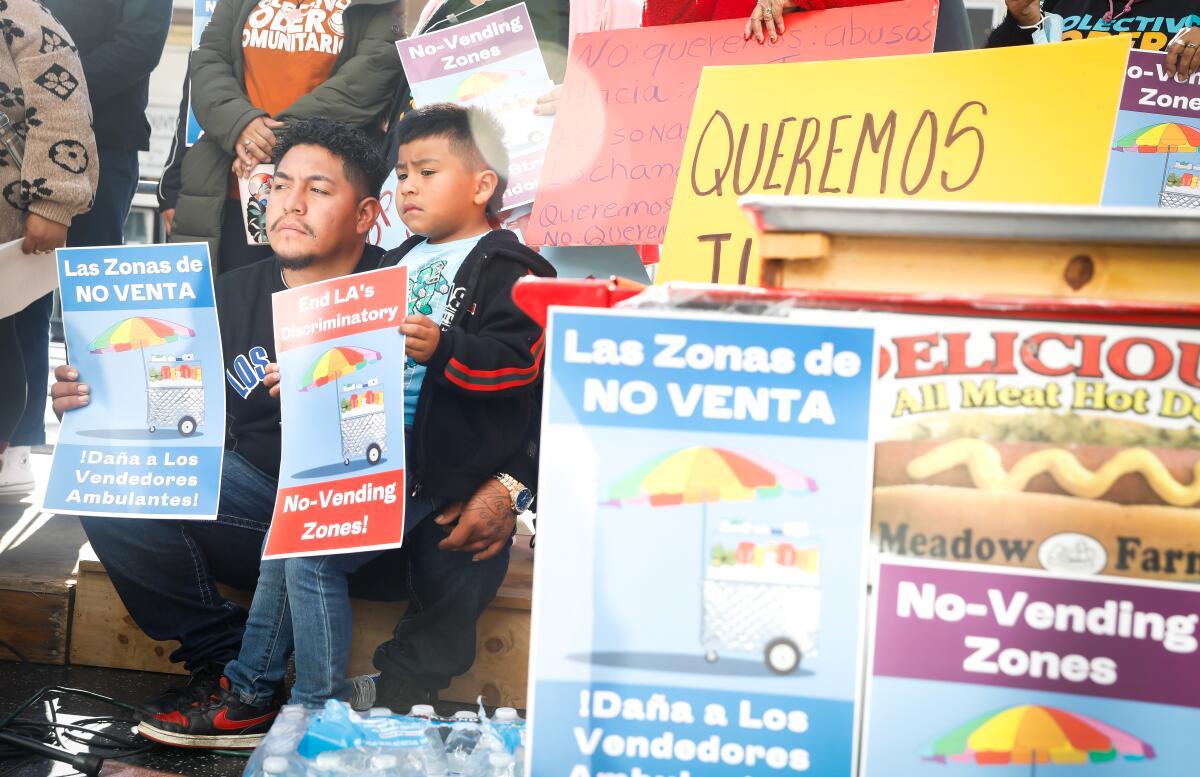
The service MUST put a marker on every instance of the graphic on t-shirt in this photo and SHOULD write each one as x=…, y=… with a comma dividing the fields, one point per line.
x=174, y=383
x=362, y=420
x=312, y=26
x=1148, y=33
x=425, y=286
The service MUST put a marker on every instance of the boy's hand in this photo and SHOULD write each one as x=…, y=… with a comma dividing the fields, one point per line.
x=271, y=380
x=421, y=337
x=485, y=522
x=67, y=392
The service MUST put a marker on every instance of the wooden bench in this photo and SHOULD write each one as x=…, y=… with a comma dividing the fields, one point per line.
x=104, y=634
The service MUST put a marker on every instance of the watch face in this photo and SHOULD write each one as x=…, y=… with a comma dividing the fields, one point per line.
x=524, y=499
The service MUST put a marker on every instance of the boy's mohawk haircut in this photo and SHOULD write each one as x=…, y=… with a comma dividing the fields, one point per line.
x=474, y=134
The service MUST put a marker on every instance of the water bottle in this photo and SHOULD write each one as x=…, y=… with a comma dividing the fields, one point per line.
x=282, y=766
x=508, y=727
x=460, y=744
x=502, y=765
x=273, y=745
x=425, y=711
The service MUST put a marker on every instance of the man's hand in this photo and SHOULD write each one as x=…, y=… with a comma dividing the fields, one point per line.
x=67, y=392
x=1026, y=12
x=257, y=142
x=271, y=380
x=485, y=522
x=42, y=235
x=168, y=218
x=421, y=337
x=547, y=104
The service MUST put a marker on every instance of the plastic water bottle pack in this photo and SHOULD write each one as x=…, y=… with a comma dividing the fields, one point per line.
x=338, y=742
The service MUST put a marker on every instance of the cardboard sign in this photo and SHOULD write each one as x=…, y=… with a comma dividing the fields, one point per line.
x=700, y=585
x=623, y=113
x=141, y=328
x=492, y=62
x=987, y=668
x=1154, y=161
x=202, y=11
x=388, y=231
x=341, y=477
x=958, y=126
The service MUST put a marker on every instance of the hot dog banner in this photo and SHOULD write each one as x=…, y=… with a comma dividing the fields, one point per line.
x=1069, y=447
x=141, y=329
x=491, y=62
x=341, y=358
x=1155, y=156
x=700, y=588
x=951, y=126
x=623, y=113
x=979, y=670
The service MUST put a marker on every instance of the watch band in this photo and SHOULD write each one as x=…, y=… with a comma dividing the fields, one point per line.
x=513, y=486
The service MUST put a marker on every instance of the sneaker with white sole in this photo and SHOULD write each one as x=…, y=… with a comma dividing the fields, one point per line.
x=16, y=471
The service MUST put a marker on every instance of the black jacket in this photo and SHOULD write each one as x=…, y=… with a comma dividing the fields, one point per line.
x=1150, y=23
x=119, y=43
x=479, y=411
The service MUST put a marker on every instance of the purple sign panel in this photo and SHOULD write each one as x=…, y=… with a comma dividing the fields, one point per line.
x=491, y=62
x=1084, y=636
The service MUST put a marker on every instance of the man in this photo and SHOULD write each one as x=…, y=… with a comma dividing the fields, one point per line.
x=119, y=43
x=166, y=571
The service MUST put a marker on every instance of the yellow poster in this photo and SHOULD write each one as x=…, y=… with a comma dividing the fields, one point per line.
x=1020, y=124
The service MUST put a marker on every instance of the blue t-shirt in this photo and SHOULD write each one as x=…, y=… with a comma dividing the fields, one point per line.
x=431, y=271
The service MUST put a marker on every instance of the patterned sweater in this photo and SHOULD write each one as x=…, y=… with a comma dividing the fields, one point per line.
x=43, y=94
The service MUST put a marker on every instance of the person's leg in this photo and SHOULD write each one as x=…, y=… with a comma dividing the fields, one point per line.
x=12, y=380
x=33, y=334
x=166, y=571
x=233, y=251
x=435, y=639
x=257, y=673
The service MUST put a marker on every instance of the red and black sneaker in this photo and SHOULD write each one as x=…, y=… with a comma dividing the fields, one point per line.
x=222, y=722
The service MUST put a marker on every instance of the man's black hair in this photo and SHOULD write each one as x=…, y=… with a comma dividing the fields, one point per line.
x=474, y=134
x=362, y=158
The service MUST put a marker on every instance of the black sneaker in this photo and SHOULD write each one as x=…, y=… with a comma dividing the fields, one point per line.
x=220, y=723
x=400, y=695
x=203, y=683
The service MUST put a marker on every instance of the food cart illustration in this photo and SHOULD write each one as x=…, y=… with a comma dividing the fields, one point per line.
x=760, y=587
x=762, y=592
x=174, y=384
x=174, y=393
x=362, y=420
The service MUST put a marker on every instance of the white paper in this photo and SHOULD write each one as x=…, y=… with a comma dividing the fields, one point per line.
x=24, y=277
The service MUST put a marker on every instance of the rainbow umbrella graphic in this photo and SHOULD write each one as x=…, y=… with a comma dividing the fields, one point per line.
x=336, y=363
x=782, y=617
x=137, y=333
x=1166, y=138
x=1033, y=734
x=479, y=84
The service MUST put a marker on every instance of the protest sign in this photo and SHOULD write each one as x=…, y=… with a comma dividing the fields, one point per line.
x=388, y=231
x=1065, y=446
x=699, y=591
x=1154, y=160
x=1006, y=668
x=623, y=112
x=946, y=126
x=141, y=328
x=202, y=11
x=341, y=476
x=494, y=63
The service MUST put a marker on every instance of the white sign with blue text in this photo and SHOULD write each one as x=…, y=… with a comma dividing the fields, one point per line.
x=705, y=504
x=141, y=329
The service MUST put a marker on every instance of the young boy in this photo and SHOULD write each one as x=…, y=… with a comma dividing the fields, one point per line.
x=471, y=406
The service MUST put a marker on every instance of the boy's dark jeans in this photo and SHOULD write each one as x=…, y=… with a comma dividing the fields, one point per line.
x=166, y=574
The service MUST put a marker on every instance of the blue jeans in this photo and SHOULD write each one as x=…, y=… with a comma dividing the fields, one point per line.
x=103, y=225
x=304, y=604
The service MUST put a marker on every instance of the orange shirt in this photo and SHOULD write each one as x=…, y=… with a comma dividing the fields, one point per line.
x=289, y=49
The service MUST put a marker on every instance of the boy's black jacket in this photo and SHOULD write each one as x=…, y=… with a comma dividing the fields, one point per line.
x=479, y=412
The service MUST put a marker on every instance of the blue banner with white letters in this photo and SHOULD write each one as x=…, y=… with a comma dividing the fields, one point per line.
x=141, y=329
x=700, y=587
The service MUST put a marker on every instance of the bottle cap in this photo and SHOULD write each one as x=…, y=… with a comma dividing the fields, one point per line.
x=275, y=765
x=327, y=760
x=506, y=714
x=422, y=711
x=383, y=762
x=379, y=712
x=466, y=715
